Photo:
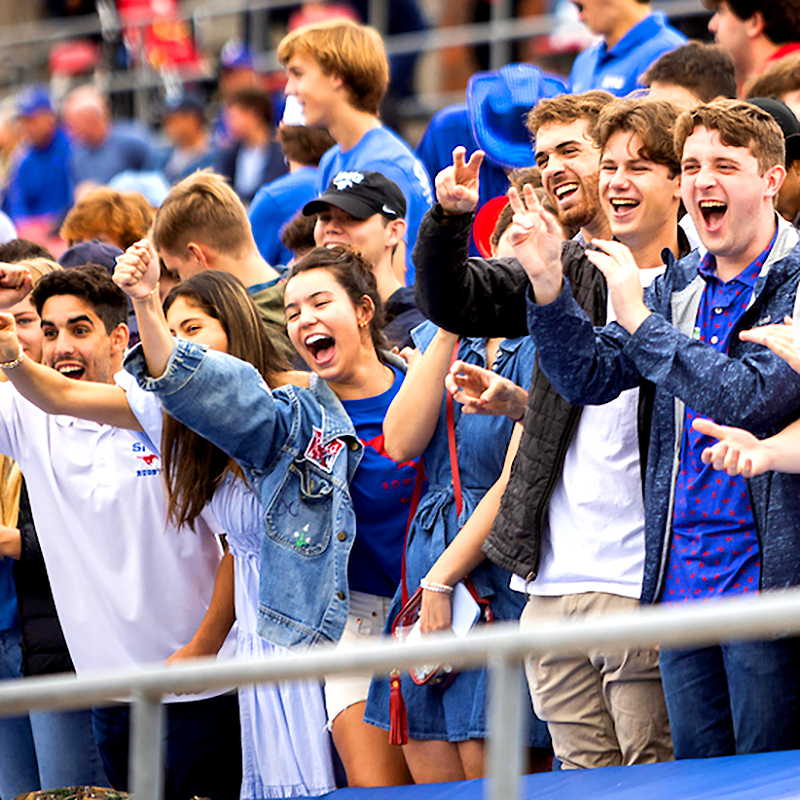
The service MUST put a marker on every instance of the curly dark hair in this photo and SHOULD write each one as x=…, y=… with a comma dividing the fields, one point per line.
x=90, y=283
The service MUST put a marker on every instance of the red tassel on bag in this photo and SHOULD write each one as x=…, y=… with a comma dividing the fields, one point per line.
x=398, y=721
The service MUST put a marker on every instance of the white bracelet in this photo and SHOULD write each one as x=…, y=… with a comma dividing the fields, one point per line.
x=11, y=364
x=437, y=588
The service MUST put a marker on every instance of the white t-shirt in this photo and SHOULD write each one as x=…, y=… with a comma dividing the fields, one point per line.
x=594, y=540
x=128, y=588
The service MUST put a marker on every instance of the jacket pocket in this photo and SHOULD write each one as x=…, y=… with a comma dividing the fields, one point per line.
x=300, y=514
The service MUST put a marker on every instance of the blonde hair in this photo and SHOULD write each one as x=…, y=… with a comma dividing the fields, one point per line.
x=353, y=52
x=202, y=208
x=39, y=267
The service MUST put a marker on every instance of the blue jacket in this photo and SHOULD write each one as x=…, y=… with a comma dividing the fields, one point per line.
x=750, y=387
x=308, y=520
x=40, y=184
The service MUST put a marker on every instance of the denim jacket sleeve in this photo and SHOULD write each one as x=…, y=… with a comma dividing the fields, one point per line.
x=585, y=365
x=223, y=399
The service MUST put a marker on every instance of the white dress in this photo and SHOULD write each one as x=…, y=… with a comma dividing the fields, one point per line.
x=286, y=749
x=285, y=744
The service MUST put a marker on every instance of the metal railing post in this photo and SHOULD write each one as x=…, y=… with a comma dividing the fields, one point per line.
x=504, y=755
x=499, y=46
x=146, y=761
x=378, y=15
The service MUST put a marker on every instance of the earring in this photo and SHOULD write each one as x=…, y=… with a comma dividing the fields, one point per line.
x=363, y=323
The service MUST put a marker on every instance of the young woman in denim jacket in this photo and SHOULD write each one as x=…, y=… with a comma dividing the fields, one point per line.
x=214, y=309
x=321, y=476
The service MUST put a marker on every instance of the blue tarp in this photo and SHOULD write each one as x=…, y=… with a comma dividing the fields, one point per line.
x=765, y=776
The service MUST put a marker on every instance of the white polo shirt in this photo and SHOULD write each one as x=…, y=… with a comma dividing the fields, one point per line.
x=129, y=589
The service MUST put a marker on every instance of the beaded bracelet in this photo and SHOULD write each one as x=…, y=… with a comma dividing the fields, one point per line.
x=11, y=364
x=438, y=588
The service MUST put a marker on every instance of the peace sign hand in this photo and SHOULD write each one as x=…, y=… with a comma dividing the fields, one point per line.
x=457, y=186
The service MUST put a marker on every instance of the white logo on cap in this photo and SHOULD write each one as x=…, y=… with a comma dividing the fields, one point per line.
x=387, y=210
x=345, y=180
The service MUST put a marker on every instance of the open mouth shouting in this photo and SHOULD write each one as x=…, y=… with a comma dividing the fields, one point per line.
x=713, y=212
x=321, y=347
x=71, y=369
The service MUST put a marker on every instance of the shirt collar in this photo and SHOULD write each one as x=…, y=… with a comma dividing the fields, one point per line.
x=783, y=51
x=507, y=346
x=748, y=276
x=641, y=32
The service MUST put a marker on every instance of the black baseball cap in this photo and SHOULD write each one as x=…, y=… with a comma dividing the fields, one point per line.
x=361, y=194
x=787, y=122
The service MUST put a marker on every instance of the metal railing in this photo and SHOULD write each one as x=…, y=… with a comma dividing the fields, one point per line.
x=502, y=647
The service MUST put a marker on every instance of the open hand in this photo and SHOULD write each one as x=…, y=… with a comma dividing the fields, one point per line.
x=536, y=239
x=138, y=270
x=481, y=391
x=779, y=338
x=616, y=263
x=737, y=452
x=457, y=186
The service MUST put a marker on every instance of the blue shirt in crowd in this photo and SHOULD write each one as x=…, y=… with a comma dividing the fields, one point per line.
x=714, y=543
x=617, y=69
x=40, y=185
x=274, y=205
x=8, y=595
x=379, y=150
x=123, y=149
x=381, y=491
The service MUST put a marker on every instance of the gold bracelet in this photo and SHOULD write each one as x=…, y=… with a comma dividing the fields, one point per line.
x=11, y=364
x=437, y=588
x=145, y=299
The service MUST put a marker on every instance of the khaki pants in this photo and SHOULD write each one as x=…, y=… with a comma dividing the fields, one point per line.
x=605, y=707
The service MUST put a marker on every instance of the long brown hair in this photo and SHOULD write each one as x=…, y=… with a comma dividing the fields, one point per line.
x=193, y=467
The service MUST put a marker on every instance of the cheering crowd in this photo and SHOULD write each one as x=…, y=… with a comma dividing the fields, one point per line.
x=543, y=369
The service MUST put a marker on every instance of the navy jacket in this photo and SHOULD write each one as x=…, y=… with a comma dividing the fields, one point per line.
x=750, y=387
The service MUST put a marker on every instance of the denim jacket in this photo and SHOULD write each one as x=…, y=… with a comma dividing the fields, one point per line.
x=299, y=451
x=749, y=387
